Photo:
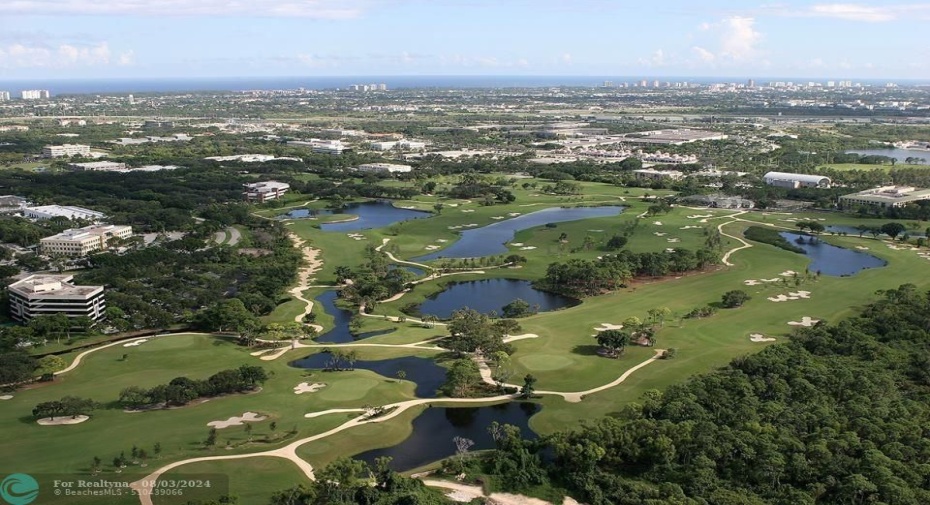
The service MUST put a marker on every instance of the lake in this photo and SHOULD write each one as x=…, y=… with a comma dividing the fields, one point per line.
x=435, y=429
x=424, y=372
x=831, y=260
x=901, y=154
x=489, y=240
x=490, y=294
x=340, y=333
x=375, y=214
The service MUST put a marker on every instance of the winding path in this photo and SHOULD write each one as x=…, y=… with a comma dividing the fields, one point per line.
x=289, y=451
x=314, y=264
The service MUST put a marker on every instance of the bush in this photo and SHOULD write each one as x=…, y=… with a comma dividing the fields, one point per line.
x=771, y=237
x=735, y=298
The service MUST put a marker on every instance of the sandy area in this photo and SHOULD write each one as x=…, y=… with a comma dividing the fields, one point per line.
x=799, y=295
x=608, y=326
x=468, y=210
x=862, y=248
x=58, y=421
x=689, y=227
x=528, y=248
x=751, y=282
x=674, y=240
x=658, y=223
x=514, y=214
x=248, y=417
x=805, y=321
x=331, y=411
x=463, y=493
x=758, y=337
x=699, y=216
x=788, y=273
x=305, y=387
x=6, y=397
x=516, y=244
x=497, y=218
x=514, y=338
x=432, y=247
x=659, y=234
x=134, y=343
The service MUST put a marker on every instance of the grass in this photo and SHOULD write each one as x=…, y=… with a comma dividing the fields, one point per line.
x=562, y=359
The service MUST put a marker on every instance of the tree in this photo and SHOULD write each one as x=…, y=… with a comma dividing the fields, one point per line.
x=50, y=364
x=616, y=243
x=735, y=298
x=248, y=431
x=429, y=320
x=614, y=342
x=529, y=383
x=95, y=465
x=211, y=438
x=461, y=378
x=516, y=308
x=473, y=331
x=401, y=375
x=893, y=229
x=438, y=206
x=157, y=449
x=503, y=368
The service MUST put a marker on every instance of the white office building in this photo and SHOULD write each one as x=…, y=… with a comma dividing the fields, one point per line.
x=47, y=294
x=99, y=166
x=50, y=211
x=65, y=150
x=794, y=181
x=35, y=94
x=10, y=204
x=387, y=145
x=83, y=241
x=4, y=96
x=384, y=167
x=264, y=191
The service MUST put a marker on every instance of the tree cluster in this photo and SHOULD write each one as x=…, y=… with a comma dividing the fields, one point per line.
x=183, y=390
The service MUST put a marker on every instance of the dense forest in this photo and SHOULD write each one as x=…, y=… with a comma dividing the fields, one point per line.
x=839, y=414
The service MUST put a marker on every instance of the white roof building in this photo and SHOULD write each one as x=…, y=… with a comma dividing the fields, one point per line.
x=101, y=166
x=265, y=190
x=384, y=167
x=50, y=211
x=83, y=241
x=786, y=180
x=47, y=294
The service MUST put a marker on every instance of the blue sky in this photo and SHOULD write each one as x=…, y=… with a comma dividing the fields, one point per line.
x=265, y=38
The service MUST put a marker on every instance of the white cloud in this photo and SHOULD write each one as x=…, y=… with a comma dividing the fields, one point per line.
x=18, y=55
x=126, y=59
x=318, y=9
x=733, y=39
x=853, y=12
x=657, y=59
x=856, y=11
x=565, y=58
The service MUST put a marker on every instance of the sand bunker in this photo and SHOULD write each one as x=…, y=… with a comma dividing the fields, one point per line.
x=514, y=338
x=805, y=321
x=305, y=387
x=690, y=227
x=454, y=227
x=248, y=417
x=528, y=248
x=659, y=234
x=698, y=216
x=788, y=273
x=608, y=326
x=669, y=250
x=136, y=342
x=432, y=247
x=6, y=397
x=674, y=240
x=497, y=218
x=517, y=244
x=751, y=282
x=468, y=210
x=758, y=337
x=514, y=214
x=771, y=280
x=470, y=225
x=799, y=295
x=596, y=231
x=59, y=421
x=658, y=223
x=441, y=240
x=356, y=236
x=862, y=248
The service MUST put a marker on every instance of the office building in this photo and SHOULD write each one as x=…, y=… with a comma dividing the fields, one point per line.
x=65, y=150
x=885, y=197
x=265, y=191
x=4, y=96
x=648, y=174
x=387, y=145
x=48, y=294
x=10, y=204
x=50, y=211
x=83, y=241
x=384, y=167
x=99, y=166
x=35, y=94
x=785, y=180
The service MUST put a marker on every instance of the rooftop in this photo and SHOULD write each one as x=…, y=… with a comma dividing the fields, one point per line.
x=58, y=284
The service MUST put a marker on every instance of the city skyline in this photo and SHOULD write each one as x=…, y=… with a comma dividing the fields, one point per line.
x=80, y=39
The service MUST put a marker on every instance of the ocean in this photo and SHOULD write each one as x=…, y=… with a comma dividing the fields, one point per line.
x=162, y=85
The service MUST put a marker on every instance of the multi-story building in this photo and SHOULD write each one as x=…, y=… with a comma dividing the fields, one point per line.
x=83, y=241
x=10, y=204
x=101, y=166
x=384, y=167
x=50, y=211
x=387, y=145
x=4, y=96
x=65, y=150
x=156, y=123
x=35, y=94
x=885, y=197
x=47, y=294
x=265, y=191
x=648, y=174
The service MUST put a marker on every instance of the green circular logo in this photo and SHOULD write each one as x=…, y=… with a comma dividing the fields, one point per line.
x=19, y=489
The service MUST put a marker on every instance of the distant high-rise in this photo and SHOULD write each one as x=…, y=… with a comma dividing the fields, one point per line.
x=131, y=100
x=751, y=83
x=35, y=94
x=4, y=96
x=655, y=84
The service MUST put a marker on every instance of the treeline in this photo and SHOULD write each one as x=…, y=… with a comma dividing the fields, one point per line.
x=771, y=237
x=580, y=277
x=836, y=415
x=163, y=284
x=183, y=390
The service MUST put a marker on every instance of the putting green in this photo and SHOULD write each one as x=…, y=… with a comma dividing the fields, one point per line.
x=349, y=389
x=545, y=361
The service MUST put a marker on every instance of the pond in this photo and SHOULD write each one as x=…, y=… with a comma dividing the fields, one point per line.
x=340, y=333
x=489, y=240
x=435, y=429
x=831, y=260
x=424, y=372
x=370, y=215
x=900, y=154
x=491, y=294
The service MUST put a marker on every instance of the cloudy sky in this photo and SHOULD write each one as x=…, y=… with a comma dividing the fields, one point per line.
x=228, y=38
